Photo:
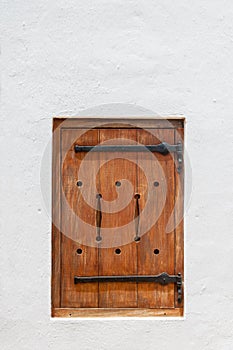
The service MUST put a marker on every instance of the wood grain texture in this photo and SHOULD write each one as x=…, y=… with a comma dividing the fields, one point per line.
x=117, y=312
x=117, y=294
x=74, y=209
x=125, y=123
x=160, y=200
x=56, y=201
x=179, y=214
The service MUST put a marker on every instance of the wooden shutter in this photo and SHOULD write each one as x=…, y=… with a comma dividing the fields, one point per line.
x=117, y=233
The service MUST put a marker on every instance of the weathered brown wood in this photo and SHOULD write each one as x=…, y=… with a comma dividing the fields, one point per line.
x=57, y=123
x=74, y=208
x=117, y=312
x=70, y=203
x=160, y=200
x=179, y=214
x=125, y=123
x=56, y=267
x=117, y=294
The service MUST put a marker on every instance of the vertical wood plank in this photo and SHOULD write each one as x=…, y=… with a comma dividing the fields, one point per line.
x=117, y=294
x=77, y=258
x=160, y=200
x=55, y=280
x=179, y=213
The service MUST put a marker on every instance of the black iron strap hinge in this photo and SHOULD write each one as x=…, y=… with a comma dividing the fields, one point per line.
x=162, y=279
x=163, y=148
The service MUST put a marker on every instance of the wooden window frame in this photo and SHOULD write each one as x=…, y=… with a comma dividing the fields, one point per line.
x=174, y=122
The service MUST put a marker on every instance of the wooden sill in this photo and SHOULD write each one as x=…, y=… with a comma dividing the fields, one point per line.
x=115, y=312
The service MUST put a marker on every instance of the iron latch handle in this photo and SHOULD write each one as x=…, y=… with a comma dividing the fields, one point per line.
x=137, y=217
x=98, y=217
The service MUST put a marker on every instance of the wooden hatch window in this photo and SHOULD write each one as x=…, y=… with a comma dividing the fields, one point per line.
x=117, y=233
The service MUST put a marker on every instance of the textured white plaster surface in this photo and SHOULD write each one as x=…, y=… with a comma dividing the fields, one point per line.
x=62, y=57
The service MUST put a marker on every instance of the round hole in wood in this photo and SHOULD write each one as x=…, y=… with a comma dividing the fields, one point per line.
x=99, y=195
x=156, y=183
x=156, y=251
x=118, y=183
x=137, y=196
x=137, y=239
x=118, y=251
x=79, y=183
x=79, y=251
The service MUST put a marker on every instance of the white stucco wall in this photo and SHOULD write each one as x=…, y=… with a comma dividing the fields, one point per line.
x=63, y=57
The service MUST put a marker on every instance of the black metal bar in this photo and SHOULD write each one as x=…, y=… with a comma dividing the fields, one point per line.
x=162, y=279
x=163, y=148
